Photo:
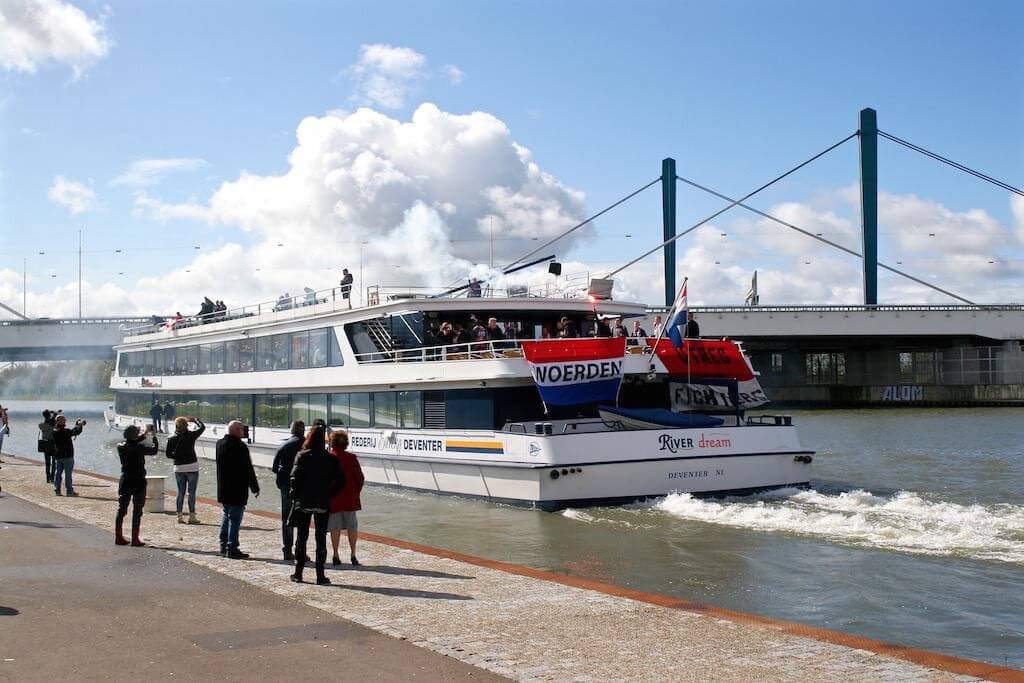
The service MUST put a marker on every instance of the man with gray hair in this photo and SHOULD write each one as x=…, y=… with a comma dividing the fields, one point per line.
x=236, y=477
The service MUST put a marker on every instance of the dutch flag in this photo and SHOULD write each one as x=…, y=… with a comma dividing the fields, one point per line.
x=676, y=330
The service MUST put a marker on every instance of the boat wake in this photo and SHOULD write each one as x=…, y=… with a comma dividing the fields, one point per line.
x=903, y=521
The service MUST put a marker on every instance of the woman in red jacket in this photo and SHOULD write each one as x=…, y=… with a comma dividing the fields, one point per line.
x=346, y=502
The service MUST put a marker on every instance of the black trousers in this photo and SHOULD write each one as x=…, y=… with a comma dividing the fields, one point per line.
x=300, y=520
x=287, y=532
x=50, y=463
x=130, y=491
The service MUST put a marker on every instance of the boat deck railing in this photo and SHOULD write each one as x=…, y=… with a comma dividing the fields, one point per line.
x=573, y=286
x=477, y=350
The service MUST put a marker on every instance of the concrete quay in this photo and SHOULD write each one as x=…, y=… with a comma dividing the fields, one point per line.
x=204, y=616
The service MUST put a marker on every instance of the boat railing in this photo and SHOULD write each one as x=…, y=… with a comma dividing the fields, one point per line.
x=477, y=350
x=573, y=286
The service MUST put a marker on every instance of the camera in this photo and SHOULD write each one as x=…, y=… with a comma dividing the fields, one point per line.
x=79, y=422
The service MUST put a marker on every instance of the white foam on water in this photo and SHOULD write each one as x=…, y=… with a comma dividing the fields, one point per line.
x=591, y=518
x=578, y=515
x=904, y=521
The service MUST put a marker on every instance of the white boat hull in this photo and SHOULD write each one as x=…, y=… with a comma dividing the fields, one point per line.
x=569, y=469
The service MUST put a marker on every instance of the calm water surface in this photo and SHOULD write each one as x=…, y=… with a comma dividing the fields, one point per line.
x=913, y=531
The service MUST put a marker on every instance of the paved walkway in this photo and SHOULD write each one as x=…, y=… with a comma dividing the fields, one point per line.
x=85, y=610
x=515, y=622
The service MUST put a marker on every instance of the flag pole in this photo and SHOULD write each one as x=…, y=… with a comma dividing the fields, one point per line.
x=668, y=318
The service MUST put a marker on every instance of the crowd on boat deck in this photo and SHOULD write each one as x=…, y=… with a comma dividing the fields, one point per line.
x=476, y=330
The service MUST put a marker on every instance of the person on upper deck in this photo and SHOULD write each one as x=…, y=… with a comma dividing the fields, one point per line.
x=475, y=289
x=637, y=330
x=493, y=332
x=692, y=328
x=566, y=329
x=658, y=325
x=462, y=335
x=619, y=330
x=346, y=286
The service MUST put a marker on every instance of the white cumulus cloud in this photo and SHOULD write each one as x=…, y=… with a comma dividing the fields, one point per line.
x=145, y=172
x=33, y=32
x=385, y=74
x=74, y=196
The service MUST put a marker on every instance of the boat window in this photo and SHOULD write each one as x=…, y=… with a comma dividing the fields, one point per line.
x=359, y=410
x=217, y=358
x=385, y=409
x=181, y=360
x=189, y=406
x=231, y=411
x=149, y=366
x=334, y=356
x=159, y=364
x=317, y=407
x=279, y=351
x=272, y=410
x=300, y=408
x=470, y=409
x=339, y=410
x=318, y=348
x=300, y=350
x=246, y=355
x=264, y=353
x=211, y=408
x=410, y=409
x=204, y=359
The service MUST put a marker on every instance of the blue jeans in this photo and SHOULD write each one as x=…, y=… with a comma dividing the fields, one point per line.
x=64, y=467
x=229, y=526
x=287, y=532
x=191, y=479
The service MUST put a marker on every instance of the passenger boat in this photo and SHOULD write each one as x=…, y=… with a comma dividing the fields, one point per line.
x=468, y=418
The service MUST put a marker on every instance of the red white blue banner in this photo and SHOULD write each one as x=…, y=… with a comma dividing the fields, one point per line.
x=571, y=372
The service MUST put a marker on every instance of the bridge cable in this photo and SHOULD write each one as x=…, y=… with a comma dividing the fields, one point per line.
x=954, y=164
x=17, y=313
x=822, y=239
x=734, y=203
x=580, y=225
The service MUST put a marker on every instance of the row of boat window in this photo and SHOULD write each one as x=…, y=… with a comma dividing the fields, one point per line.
x=291, y=351
x=383, y=409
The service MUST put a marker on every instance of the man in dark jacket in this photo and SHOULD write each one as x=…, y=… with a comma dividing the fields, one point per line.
x=284, y=460
x=692, y=328
x=132, y=485
x=156, y=412
x=64, y=452
x=317, y=477
x=235, y=478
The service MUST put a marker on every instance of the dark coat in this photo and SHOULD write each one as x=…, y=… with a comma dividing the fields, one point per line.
x=284, y=460
x=133, y=458
x=235, y=473
x=316, y=479
x=63, y=441
x=692, y=329
x=156, y=411
x=181, y=447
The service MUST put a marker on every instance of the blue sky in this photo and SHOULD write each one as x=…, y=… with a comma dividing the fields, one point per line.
x=598, y=92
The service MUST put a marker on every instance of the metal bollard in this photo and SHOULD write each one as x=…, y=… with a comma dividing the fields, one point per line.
x=154, y=494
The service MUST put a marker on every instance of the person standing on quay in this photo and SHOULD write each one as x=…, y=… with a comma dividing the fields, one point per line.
x=156, y=412
x=182, y=449
x=168, y=414
x=64, y=452
x=316, y=479
x=284, y=461
x=235, y=479
x=345, y=503
x=46, y=446
x=5, y=429
x=132, y=485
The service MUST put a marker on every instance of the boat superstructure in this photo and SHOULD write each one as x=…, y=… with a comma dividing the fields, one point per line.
x=460, y=418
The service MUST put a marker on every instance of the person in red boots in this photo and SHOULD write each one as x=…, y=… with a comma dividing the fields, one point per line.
x=132, y=485
x=346, y=501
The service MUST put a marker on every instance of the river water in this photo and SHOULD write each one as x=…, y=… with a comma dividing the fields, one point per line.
x=912, y=532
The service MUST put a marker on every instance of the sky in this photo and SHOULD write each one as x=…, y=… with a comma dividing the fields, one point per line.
x=244, y=150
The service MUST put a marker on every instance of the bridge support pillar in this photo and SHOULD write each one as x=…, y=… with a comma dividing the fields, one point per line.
x=668, y=217
x=869, y=202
